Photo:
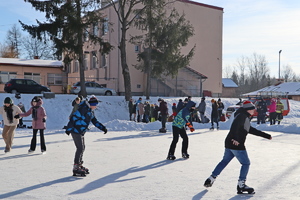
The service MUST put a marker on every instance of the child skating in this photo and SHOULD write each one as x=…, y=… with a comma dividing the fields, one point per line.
x=235, y=147
x=178, y=127
x=38, y=122
x=77, y=126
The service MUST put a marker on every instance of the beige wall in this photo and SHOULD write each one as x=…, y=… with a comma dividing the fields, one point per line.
x=43, y=71
x=207, y=22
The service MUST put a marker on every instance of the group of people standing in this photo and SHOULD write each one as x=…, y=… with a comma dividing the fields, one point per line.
x=11, y=115
x=275, y=111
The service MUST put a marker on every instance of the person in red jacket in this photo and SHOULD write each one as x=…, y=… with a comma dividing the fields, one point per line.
x=235, y=146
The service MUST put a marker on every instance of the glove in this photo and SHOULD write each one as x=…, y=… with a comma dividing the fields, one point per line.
x=68, y=132
x=190, y=126
x=17, y=116
x=44, y=120
x=104, y=130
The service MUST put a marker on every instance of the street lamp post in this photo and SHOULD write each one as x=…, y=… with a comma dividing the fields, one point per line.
x=279, y=65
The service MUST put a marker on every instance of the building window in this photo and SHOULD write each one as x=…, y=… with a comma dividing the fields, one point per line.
x=94, y=60
x=76, y=66
x=103, y=60
x=95, y=29
x=138, y=86
x=105, y=26
x=6, y=76
x=85, y=61
x=33, y=76
x=54, y=79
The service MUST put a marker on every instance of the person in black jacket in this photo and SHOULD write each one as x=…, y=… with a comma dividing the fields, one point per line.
x=163, y=108
x=235, y=146
x=261, y=108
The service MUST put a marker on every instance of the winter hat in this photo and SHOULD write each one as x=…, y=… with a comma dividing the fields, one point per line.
x=174, y=104
x=93, y=101
x=159, y=99
x=36, y=99
x=248, y=105
x=8, y=100
x=219, y=99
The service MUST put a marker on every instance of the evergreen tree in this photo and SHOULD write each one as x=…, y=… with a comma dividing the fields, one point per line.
x=166, y=32
x=66, y=23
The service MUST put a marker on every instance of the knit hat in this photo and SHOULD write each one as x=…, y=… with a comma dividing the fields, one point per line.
x=174, y=104
x=159, y=99
x=248, y=105
x=8, y=100
x=93, y=101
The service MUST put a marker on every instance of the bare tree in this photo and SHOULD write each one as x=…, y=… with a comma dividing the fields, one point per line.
x=36, y=48
x=288, y=74
x=7, y=51
x=13, y=40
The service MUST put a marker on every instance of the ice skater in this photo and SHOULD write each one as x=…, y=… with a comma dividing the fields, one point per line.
x=178, y=126
x=77, y=126
x=38, y=122
x=235, y=146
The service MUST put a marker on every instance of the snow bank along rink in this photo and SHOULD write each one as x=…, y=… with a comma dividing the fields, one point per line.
x=129, y=162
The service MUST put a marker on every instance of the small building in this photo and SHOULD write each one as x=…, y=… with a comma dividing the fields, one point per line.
x=290, y=90
x=45, y=72
x=229, y=88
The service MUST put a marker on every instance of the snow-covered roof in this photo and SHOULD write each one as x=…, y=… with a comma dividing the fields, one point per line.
x=227, y=82
x=289, y=88
x=33, y=62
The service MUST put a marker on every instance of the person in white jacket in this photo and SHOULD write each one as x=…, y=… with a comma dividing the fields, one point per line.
x=8, y=111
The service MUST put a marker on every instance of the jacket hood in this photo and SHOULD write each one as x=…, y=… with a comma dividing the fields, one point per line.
x=241, y=110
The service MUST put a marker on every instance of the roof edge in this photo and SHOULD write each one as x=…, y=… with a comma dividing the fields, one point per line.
x=202, y=4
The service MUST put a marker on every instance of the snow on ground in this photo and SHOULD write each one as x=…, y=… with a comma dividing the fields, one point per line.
x=129, y=161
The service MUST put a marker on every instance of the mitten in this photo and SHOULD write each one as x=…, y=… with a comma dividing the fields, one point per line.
x=17, y=116
x=44, y=120
x=190, y=126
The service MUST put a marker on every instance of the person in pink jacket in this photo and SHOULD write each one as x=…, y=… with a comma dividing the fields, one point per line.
x=38, y=122
x=272, y=111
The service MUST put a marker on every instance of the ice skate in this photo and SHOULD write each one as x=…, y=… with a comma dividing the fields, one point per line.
x=77, y=171
x=43, y=152
x=212, y=128
x=87, y=171
x=163, y=130
x=30, y=151
x=185, y=155
x=209, y=181
x=242, y=188
x=218, y=128
x=171, y=157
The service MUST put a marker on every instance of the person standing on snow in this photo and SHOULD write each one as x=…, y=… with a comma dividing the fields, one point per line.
x=214, y=114
x=178, y=126
x=220, y=109
x=201, y=108
x=130, y=108
x=272, y=112
x=10, y=123
x=77, y=127
x=163, y=108
x=261, y=108
x=279, y=110
x=235, y=146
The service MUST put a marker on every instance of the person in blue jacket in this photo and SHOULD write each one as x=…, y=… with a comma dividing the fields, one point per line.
x=178, y=126
x=77, y=127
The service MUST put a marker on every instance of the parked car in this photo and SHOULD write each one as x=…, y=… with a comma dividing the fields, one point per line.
x=24, y=86
x=285, y=102
x=93, y=88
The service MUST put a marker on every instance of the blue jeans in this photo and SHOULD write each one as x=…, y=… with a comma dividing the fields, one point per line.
x=242, y=157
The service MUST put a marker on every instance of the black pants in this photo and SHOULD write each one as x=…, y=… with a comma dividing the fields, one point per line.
x=185, y=140
x=272, y=118
x=80, y=147
x=163, y=120
x=261, y=118
x=33, y=140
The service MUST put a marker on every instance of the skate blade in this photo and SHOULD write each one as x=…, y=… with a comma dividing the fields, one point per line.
x=79, y=175
x=246, y=192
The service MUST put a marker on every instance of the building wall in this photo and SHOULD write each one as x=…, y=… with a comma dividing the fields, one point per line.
x=43, y=71
x=207, y=22
x=229, y=92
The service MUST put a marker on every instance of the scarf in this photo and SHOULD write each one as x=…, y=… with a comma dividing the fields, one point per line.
x=9, y=113
x=34, y=112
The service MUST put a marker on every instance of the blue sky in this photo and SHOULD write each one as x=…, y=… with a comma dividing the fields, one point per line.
x=249, y=26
